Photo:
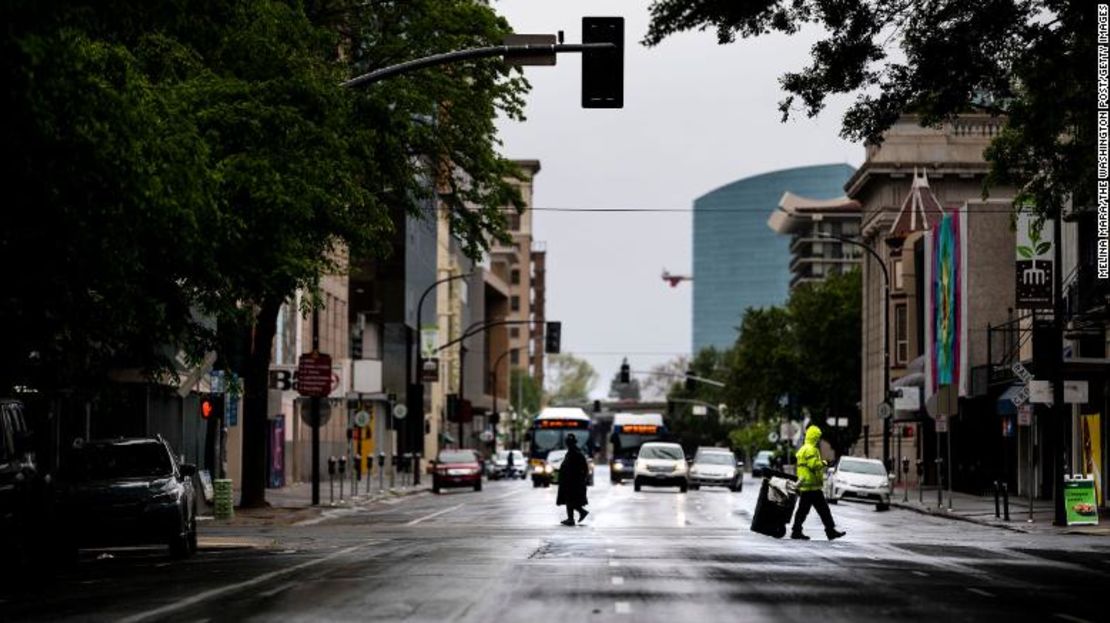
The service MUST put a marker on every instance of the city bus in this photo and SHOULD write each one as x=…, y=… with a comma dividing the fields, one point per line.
x=630, y=431
x=549, y=432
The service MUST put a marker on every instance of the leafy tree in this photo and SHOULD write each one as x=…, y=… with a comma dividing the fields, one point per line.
x=751, y=438
x=764, y=364
x=665, y=376
x=624, y=391
x=528, y=389
x=700, y=430
x=570, y=379
x=1029, y=60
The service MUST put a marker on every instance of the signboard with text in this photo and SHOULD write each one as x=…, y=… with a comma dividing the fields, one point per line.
x=1080, y=502
x=314, y=375
x=1034, y=257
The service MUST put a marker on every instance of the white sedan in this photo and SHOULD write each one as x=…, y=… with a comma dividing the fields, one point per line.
x=858, y=478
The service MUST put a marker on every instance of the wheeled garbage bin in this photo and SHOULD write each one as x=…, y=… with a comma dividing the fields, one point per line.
x=775, y=506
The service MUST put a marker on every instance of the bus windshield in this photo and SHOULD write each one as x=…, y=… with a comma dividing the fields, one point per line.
x=625, y=444
x=545, y=440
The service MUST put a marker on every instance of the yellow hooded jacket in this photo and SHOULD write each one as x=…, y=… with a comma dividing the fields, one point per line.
x=811, y=467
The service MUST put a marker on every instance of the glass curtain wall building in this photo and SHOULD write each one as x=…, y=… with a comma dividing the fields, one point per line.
x=739, y=262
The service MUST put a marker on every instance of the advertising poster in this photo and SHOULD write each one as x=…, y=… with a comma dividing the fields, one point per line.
x=1079, y=501
x=945, y=305
x=1034, y=262
x=1090, y=427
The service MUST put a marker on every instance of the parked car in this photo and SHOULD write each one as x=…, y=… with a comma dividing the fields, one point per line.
x=715, y=467
x=858, y=478
x=23, y=488
x=499, y=465
x=116, y=492
x=660, y=464
x=555, y=459
x=764, y=459
x=457, y=468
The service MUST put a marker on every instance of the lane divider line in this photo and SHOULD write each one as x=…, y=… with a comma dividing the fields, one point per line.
x=979, y=591
x=617, y=580
x=623, y=607
x=231, y=588
x=1068, y=617
x=434, y=515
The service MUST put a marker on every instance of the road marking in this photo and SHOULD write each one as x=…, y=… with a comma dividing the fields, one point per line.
x=921, y=573
x=610, y=550
x=979, y=591
x=1068, y=617
x=623, y=607
x=274, y=591
x=503, y=496
x=231, y=588
x=434, y=515
x=614, y=563
x=617, y=580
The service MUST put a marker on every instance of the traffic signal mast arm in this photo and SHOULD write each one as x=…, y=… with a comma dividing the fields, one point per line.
x=507, y=51
x=675, y=375
x=477, y=328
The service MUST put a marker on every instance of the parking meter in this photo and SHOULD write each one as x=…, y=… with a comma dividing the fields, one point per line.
x=358, y=465
x=905, y=465
x=381, y=459
x=920, y=467
x=331, y=465
x=343, y=465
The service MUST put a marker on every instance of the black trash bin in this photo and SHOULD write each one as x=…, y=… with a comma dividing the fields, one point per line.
x=775, y=506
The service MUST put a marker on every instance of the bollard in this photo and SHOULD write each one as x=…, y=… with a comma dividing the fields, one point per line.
x=920, y=475
x=1005, y=501
x=381, y=472
x=940, y=488
x=225, y=504
x=998, y=512
x=331, y=479
x=342, y=475
x=416, y=469
x=905, y=479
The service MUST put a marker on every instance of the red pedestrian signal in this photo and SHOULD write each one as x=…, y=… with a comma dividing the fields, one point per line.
x=212, y=405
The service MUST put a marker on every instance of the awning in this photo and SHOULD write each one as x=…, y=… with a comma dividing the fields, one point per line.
x=1004, y=405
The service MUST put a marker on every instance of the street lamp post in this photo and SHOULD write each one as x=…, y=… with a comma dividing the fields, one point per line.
x=493, y=375
x=886, y=338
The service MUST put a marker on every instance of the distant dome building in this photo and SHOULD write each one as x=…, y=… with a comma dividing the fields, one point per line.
x=738, y=261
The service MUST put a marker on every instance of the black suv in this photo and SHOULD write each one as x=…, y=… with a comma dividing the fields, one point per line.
x=115, y=492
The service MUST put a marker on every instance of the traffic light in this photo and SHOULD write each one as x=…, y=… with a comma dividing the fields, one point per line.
x=597, y=406
x=603, y=70
x=691, y=384
x=626, y=373
x=212, y=406
x=553, y=338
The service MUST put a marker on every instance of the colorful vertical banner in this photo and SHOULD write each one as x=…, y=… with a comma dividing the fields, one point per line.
x=946, y=304
x=1034, y=261
x=1090, y=440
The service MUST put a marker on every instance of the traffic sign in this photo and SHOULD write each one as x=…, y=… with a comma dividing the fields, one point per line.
x=306, y=412
x=314, y=375
x=362, y=418
x=885, y=410
x=773, y=437
x=942, y=423
x=1025, y=415
x=400, y=411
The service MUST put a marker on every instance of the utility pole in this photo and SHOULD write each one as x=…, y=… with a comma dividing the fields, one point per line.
x=1061, y=418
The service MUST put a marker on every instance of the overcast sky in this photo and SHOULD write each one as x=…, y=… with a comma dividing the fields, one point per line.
x=696, y=116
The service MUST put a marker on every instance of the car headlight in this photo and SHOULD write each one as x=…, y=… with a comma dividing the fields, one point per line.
x=618, y=465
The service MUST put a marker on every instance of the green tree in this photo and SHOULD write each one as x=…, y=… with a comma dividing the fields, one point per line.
x=570, y=379
x=764, y=363
x=526, y=389
x=1029, y=60
x=665, y=376
x=751, y=438
x=700, y=430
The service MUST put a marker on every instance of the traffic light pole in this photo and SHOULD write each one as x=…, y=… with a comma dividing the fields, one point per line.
x=507, y=51
x=315, y=414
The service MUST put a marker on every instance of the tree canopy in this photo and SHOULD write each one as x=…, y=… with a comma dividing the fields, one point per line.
x=1029, y=60
x=570, y=379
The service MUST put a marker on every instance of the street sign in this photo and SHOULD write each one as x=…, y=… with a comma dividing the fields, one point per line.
x=1025, y=415
x=942, y=423
x=536, y=58
x=486, y=436
x=885, y=410
x=429, y=373
x=429, y=340
x=1075, y=392
x=314, y=375
x=699, y=410
x=362, y=418
x=400, y=411
x=908, y=399
x=838, y=422
x=1040, y=392
x=773, y=437
x=306, y=411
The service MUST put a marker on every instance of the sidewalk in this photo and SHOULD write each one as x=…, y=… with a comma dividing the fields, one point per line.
x=292, y=504
x=980, y=510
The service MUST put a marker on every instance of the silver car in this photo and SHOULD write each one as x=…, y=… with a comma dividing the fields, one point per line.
x=859, y=479
x=715, y=467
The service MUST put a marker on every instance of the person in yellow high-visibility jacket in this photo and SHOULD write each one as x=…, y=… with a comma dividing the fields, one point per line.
x=811, y=482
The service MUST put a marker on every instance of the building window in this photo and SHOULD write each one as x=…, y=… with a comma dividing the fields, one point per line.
x=850, y=228
x=514, y=303
x=899, y=281
x=514, y=356
x=514, y=332
x=901, y=339
x=514, y=276
x=514, y=222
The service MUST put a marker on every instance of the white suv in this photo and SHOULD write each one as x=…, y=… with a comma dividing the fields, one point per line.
x=660, y=465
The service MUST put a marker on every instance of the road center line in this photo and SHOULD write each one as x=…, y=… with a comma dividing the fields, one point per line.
x=617, y=580
x=623, y=607
x=505, y=495
x=1068, y=617
x=231, y=588
x=979, y=591
x=433, y=515
x=921, y=574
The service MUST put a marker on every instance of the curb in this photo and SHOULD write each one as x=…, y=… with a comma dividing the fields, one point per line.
x=958, y=517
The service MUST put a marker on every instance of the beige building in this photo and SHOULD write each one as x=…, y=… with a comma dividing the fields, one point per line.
x=814, y=227
x=903, y=187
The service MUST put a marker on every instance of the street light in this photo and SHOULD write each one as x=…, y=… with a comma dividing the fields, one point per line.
x=886, y=339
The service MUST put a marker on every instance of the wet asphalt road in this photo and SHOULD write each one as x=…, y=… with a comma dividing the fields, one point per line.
x=657, y=555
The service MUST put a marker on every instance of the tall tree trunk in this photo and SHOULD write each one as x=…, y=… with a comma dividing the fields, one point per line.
x=256, y=383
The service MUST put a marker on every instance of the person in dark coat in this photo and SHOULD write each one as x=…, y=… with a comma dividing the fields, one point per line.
x=572, y=482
